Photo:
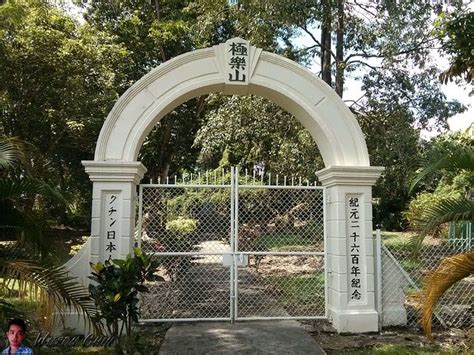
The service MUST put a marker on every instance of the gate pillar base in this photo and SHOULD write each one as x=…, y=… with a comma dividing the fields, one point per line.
x=354, y=321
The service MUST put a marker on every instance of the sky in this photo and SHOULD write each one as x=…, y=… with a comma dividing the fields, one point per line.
x=461, y=121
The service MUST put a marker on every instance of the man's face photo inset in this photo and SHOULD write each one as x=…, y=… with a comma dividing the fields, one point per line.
x=15, y=335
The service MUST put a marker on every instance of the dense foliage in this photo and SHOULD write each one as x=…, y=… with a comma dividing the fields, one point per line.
x=61, y=76
x=456, y=32
x=27, y=266
x=451, y=161
x=58, y=81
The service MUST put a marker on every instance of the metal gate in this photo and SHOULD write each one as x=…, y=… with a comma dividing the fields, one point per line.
x=233, y=248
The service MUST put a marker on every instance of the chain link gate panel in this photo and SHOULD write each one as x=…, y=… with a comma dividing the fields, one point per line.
x=233, y=250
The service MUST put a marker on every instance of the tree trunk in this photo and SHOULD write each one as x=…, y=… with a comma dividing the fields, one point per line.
x=326, y=42
x=340, y=48
x=158, y=17
x=165, y=154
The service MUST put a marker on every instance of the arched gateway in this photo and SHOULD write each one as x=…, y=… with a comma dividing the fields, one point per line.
x=236, y=67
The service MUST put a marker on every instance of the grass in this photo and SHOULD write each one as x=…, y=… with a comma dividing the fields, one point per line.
x=411, y=265
x=300, y=290
x=398, y=240
x=396, y=349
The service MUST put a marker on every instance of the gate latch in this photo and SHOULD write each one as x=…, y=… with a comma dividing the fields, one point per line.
x=239, y=259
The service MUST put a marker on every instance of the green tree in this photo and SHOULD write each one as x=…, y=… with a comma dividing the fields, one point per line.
x=442, y=181
x=59, y=79
x=216, y=22
x=459, y=207
x=154, y=32
x=370, y=39
x=456, y=32
x=254, y=131
x=392, y=142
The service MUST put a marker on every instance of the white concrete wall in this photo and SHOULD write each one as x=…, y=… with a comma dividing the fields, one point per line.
x=394, y=287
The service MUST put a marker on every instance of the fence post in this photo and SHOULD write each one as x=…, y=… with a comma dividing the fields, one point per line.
x=140, y=216
x=378, y=273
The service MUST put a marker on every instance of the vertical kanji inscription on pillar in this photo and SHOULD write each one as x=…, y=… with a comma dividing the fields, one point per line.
x=356, y=271
x=112, y=216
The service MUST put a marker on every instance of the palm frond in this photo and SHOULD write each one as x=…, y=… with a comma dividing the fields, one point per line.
x=459, y=159
x=8, y=311
x=451, y=270
x=10, y=152
x=27, y=188
x=432, y=219
x=47, y=279
x=447, y=210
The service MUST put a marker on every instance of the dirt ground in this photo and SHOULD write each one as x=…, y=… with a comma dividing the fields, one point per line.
x=449, y=340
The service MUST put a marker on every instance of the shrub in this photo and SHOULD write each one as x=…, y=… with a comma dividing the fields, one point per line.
x=180, y=234
x=115, y=290
x=182, y=226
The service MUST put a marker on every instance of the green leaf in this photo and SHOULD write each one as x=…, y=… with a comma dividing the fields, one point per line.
x=54, y=282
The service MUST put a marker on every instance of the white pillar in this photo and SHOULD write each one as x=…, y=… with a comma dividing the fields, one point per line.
x=349, y=248
x=113, y=207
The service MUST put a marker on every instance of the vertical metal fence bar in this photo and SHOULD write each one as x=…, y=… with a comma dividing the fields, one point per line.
x=140, y=215
x=469, y=236
x=326, y=271
x=378, y=279
x=232, y=245
x=236, y=241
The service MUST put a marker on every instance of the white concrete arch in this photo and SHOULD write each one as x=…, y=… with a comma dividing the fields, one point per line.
x=276, y=78
x=235, y=67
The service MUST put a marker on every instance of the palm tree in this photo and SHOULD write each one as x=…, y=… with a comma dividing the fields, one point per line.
x=453, y=209
x=24, y=267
